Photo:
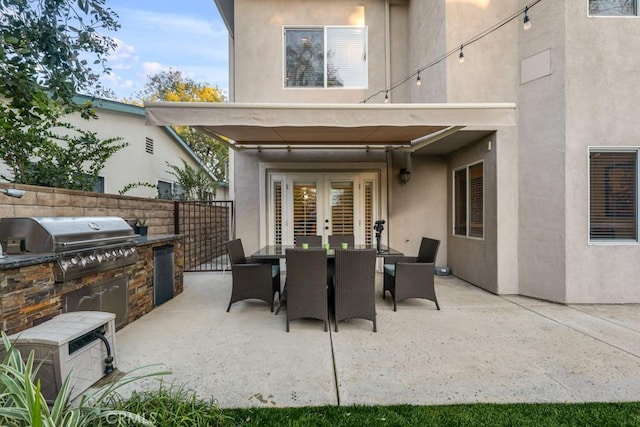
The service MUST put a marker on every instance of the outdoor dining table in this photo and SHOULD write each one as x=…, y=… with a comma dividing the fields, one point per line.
x=272, y=252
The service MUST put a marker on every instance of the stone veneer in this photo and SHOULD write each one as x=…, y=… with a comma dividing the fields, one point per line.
x=29, y=296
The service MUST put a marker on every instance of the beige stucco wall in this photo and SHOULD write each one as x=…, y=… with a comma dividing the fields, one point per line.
x=490, y=70
x=259, y=46
x=418, y=208
x=602, y=110
x=474, y=259
x=132, y=163
x=542, y=191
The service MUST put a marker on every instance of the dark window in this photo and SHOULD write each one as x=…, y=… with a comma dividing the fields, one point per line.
x=613, y=195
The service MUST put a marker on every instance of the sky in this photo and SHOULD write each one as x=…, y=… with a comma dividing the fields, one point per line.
x=156, y=35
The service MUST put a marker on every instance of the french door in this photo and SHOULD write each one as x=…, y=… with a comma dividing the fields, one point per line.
x=306, y=204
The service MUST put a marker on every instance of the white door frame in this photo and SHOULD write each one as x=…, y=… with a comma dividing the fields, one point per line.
x=379, y=170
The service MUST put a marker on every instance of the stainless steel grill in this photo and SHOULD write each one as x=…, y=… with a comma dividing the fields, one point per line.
x=85, y=245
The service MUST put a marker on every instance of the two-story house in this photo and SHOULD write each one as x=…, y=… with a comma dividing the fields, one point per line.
x=505, y=129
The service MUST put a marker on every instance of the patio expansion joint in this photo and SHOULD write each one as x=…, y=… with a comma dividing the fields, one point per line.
x=333, y=361
x=582, y=332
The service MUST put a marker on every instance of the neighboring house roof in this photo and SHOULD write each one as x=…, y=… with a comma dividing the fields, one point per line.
x=409, y=127
x=121, y=107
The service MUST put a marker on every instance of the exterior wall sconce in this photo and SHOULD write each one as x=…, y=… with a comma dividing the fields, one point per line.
x=405, y=175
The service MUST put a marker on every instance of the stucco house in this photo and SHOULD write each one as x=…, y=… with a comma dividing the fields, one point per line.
x=145, y=157
x=522, y=160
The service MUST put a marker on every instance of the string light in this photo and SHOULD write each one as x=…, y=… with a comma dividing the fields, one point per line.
x=526, y=24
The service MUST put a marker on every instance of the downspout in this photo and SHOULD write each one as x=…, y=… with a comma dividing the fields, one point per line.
x=387, y=46
x=387, y=76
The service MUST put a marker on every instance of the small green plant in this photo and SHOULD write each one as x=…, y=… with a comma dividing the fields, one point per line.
x=172, y=405
x=133, y=185
x=22, y=402
x=142, y=221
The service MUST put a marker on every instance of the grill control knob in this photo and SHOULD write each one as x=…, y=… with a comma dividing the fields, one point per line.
x=74, y=261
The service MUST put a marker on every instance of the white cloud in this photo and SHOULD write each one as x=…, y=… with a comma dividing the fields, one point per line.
x=122, y=51
x=154, y=67
x=169, y=22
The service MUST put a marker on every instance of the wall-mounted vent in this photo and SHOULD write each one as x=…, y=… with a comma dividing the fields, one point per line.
x=148, y=145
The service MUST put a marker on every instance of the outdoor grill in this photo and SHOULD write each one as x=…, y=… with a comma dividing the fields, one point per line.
x=85, y=245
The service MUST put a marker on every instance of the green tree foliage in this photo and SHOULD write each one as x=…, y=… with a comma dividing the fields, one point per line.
x=195, y=183
x=46, y=47
x=172, y=86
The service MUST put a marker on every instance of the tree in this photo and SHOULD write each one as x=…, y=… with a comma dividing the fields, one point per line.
x=45, y=51
x=195, y=183
x=172, y=86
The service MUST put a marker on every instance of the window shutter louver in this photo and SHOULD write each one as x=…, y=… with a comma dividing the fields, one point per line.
x=304, y=209
x=277, y=216
x=613, y=195
x=342, y=208
x=476, y=201
x=368, y=212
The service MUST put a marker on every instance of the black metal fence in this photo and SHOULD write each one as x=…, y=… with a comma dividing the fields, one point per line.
x=206, y=225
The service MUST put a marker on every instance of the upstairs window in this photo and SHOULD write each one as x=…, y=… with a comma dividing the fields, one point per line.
x=613, y=7
x=325, y=57
x=613, y=195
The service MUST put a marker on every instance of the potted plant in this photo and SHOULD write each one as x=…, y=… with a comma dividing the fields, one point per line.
x=141, y=227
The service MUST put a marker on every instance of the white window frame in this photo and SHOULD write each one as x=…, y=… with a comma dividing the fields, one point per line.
x=324, y=32
x=468, y=200
x=620, y=242
x=636, y=5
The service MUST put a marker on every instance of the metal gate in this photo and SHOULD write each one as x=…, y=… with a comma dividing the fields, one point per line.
x=206, y=226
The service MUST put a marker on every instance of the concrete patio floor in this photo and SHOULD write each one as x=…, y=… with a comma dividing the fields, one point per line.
x=478, y=348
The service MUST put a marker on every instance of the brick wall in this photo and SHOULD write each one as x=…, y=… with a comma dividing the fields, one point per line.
x=46, y=201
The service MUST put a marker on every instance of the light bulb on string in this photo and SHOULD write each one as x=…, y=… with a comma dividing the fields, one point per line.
x=527, y=22
x=461, y=56
x=386, y=97
x=418, y=81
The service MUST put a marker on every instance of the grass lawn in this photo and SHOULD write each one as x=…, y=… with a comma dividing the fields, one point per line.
x=171, y=407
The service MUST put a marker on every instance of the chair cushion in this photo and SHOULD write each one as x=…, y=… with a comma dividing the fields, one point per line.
x=390, y=269
x=275, y=270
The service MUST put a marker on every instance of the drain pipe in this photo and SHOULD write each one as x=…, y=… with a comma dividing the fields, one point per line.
x=387, y=46
x=108, y=361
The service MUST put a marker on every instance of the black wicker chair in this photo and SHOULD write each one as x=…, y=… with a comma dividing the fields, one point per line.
x=306, y=287
x=313, y=241
x=354, y=285
x=336, y=241
x=250, y=279
x=412, y=277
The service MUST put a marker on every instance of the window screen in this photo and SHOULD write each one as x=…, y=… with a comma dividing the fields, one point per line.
x=326, y=57
x=613, y=7
x=613, y=195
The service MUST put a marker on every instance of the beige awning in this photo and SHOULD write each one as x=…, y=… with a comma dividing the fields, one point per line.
x=330, y=125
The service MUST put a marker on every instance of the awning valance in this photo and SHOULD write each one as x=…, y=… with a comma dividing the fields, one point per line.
x=329, y=125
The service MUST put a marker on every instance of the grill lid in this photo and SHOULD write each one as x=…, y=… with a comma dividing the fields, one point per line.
x=59, y=234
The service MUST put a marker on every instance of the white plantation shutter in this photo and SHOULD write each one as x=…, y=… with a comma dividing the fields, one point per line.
x=476, y=200
x=368, y=212
x=342, y=207
x=613, y=195
x=346, y=57
x=304, y=209
x=277, y=214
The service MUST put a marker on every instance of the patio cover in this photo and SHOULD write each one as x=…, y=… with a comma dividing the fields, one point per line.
x=402, y=126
